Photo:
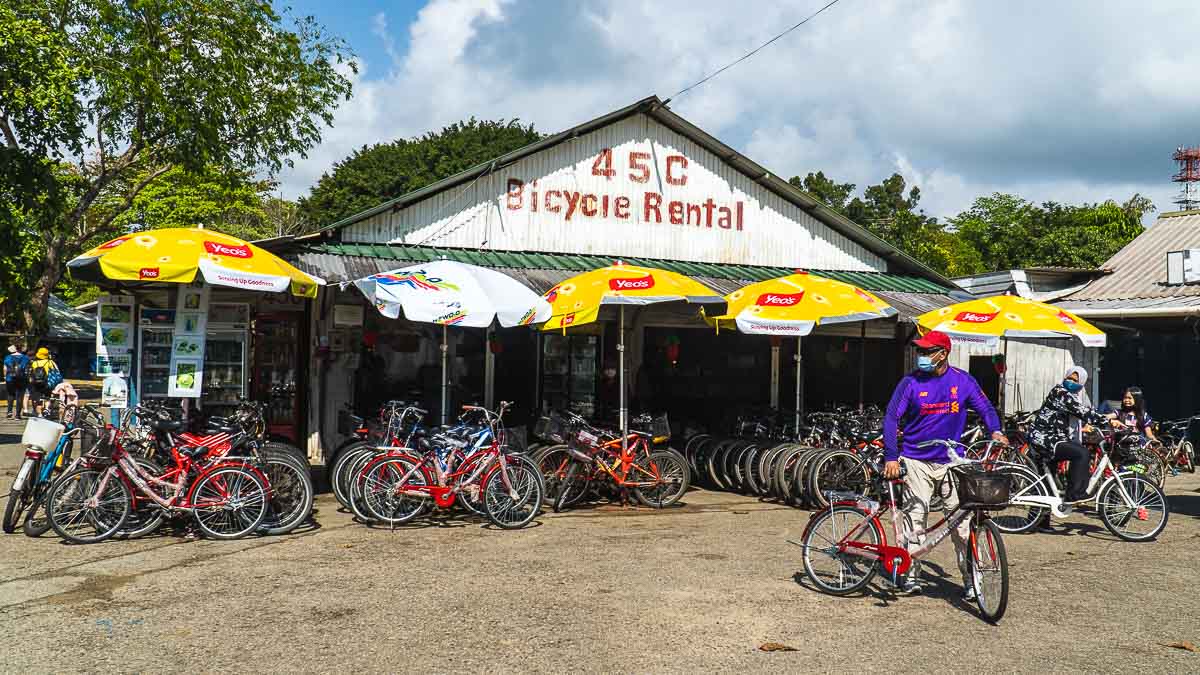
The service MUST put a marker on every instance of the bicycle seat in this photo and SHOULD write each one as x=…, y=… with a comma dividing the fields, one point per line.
x=194, y=451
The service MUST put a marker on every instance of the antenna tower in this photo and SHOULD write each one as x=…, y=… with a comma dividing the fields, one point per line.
x=1188, y=160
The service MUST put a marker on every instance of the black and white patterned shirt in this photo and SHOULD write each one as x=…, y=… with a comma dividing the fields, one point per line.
x=1051, y=424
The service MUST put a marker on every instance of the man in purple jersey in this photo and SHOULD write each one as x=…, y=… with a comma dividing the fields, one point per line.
x=931, y=404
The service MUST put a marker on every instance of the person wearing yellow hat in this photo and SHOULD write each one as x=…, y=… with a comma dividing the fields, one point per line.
x=44, y=376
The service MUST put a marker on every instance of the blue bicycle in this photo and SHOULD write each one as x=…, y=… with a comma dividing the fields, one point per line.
x=39, y=469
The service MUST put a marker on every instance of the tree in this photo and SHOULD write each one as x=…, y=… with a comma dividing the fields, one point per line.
x=376, y=173
x=100, y=99
x=833, y=194
x=1012, y=233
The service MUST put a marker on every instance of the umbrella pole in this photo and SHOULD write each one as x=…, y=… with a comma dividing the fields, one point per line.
x=799, y=386
x=623, y=412
x=445, y=372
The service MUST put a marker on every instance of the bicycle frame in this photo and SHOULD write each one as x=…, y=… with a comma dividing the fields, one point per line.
x=1054, y=500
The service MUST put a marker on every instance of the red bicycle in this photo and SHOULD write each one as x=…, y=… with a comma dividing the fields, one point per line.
x=229, y=498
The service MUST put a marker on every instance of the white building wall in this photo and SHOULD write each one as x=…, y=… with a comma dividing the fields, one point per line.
x=610, y=192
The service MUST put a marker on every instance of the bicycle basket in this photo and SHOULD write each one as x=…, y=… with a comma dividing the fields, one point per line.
x=552, y=428
x=658, y=427
x=514, y=439
x=982, y=489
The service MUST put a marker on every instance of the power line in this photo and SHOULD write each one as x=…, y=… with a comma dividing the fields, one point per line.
x=756, y=50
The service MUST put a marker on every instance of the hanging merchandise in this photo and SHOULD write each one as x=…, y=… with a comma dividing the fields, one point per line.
x=673, y=349
x=187, y=345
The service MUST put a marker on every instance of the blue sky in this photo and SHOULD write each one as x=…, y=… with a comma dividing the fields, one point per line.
x=1067, y=101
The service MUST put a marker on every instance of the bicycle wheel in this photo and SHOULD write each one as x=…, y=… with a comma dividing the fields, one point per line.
x=667, y=474
x=831, y=570
x=230, y=502
x=989, y=570
x=82, y=513
x=1132, y=507
x=513, y=504
x=291, y=488
x=573, y=486
x=385, y=482
x=553, y=463
x=1020, y=518
x=838, y=470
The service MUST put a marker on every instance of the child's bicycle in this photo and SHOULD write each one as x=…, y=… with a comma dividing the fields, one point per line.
x=845, y=545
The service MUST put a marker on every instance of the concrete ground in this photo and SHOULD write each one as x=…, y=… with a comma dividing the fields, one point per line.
x=697, y=588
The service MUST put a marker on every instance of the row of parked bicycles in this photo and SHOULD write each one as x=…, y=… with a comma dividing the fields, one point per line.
x=395, y=469
x=89, y=480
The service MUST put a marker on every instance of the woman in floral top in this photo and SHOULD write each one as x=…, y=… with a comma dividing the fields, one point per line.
x=1051, y=433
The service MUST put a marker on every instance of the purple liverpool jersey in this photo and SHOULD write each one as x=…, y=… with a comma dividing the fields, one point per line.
x=928, y=407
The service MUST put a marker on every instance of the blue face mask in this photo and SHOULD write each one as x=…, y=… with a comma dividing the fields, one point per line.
x=925, y=364
x=1072, y=386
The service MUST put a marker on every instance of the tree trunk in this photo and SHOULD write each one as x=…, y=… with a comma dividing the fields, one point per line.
x=39, y=296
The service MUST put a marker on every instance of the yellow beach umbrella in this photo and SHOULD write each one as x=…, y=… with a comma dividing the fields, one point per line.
x=577, y=301
x=797, y=303
x=987, y=320
x=176, y=255
x=794, y=305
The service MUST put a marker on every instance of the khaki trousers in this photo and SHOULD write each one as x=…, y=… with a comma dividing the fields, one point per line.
x=920, y=481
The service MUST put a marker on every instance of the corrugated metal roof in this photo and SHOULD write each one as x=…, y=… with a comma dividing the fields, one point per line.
x=67, y=323
x=911, y=296
x=318, y=256
x=658, y=110
x=1140, y=269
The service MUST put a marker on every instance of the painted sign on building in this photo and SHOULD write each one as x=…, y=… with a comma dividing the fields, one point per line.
x=634, y=187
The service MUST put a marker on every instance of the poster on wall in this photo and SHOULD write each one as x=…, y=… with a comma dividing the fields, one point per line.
x=114, y=334
x=186, y=376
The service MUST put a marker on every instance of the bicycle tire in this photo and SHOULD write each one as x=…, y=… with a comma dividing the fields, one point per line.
x=291, y=491
x=840, y=470
x=1115, y=513
x=229, y=484
x=32, y=525
x=1020, y=518
x=671, y=483
x=574, y=485
x=383, y=479
x=77, y=487
x=851, y=573
x=514, y=506
x=989, y=570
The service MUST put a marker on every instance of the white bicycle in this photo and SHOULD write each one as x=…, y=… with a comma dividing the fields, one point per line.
x=1132, y=507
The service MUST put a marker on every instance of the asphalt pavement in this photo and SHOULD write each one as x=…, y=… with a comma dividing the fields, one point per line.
x=702, y=587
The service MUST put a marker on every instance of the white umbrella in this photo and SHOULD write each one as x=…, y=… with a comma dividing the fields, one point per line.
x=451, y=293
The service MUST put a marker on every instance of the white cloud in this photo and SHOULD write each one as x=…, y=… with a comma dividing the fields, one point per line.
x=1068, y=101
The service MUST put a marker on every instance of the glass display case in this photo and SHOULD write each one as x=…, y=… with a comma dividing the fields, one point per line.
x=224, y=368
x=569, y=369
x=155, y=361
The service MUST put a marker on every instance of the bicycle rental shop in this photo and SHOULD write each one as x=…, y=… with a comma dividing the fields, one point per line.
x=640, y=185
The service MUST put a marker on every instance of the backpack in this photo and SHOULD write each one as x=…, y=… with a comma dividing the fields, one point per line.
x=53, y=377
x=39, y=375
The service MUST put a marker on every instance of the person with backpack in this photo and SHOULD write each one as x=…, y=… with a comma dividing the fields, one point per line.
x=16, y=380
x=44, y=376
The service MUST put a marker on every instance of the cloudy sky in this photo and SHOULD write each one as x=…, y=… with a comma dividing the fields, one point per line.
x=1066, y=101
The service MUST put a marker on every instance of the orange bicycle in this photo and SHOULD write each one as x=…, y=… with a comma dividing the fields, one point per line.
x=656, y=477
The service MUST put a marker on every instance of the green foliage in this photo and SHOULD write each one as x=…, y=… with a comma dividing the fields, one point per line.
x=376, y=173
x=107, y=97
x=998, y=232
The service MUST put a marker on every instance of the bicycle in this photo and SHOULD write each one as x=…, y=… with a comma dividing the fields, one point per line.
x=658, y=478
x=228, y=498
x=850, y=534
x=1123, y=497
x=399, y=486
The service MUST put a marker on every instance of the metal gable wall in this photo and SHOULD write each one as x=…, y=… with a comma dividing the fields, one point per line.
x=508, y=208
